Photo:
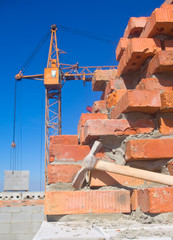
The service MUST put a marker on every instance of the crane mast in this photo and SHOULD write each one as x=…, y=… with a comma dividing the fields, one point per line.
x=55, y=75
x=52, y=82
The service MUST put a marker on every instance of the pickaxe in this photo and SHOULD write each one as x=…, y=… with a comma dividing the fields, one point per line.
x=91, y=162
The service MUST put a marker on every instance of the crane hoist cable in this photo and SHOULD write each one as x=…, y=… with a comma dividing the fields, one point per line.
x=87, y=34
x=24, y=67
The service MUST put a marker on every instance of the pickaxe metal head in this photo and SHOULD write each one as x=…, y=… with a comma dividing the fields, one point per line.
x=87, y=164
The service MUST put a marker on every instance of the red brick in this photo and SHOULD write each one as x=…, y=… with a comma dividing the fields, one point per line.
x=137, y=101
x=88, y=116
x=168, y=44
x=155, y=84
x=110, y=87
x=135, y=27
x=122, y=45
x=78, y=202
x=99, y=107
x=62, y=172
x=113, y=85
x=100, y=179
x=149, y=149
x=137, y=51
x=166, y=126
x=160, y=22
x=166, y=101
x=64, y=139
x=114, y=97
x=93, y=129
x=71, y=153
x=162, y=62
x=101, y=77
x=170, y=168
x=168, y=2
x=153, y=200
x=84, y=117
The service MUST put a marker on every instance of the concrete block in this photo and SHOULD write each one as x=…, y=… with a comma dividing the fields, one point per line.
x=28, y=236
x=32, y=209
x=33, y=195
x=10, y=196
x=5, y=217
x=35, y=226
x=20, y=227
x=7, y=236
x=5, y=228
x=16, y=181
x=22, y=217
x=38, y=217
x=10, y=209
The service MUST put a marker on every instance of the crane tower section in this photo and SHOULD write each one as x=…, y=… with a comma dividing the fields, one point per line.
x=52, y=82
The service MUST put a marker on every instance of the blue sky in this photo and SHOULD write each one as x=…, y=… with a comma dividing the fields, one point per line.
x=23, y=24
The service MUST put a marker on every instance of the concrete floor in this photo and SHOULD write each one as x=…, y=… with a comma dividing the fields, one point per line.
x=85, y=231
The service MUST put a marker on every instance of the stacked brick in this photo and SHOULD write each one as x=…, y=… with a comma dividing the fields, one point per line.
x=134, y=120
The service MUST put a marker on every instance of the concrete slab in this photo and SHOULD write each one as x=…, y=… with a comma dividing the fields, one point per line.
x=16, y=181
x=70, y=231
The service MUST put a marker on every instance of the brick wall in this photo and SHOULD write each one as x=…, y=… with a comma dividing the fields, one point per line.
x=133, y=119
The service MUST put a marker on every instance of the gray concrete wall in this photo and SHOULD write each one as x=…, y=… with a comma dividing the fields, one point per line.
x=20, y=223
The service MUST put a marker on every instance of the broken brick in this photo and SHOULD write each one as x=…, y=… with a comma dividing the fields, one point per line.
x=166, y=126
x=93, y=129
x=78, y=202
x=122, y=45
x=135, y=27
x=114, y=97
x=160, y=63
x=160, y=22
x=137, y=101
x=99, y=107
x=149, y=149
x=101, y=77
x=110, y=87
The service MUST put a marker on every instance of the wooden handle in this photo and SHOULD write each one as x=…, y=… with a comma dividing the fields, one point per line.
x=134, y=172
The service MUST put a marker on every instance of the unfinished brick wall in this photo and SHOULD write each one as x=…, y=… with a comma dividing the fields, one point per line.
x=134, y=119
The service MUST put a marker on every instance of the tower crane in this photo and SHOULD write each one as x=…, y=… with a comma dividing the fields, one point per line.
x=54, y=77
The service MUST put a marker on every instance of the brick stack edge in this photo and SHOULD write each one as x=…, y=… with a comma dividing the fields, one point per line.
x=134, y=117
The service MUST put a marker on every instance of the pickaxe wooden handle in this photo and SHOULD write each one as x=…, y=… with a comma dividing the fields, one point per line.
x=134, y=172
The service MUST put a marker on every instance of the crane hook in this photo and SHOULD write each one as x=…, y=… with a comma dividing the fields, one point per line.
x=13, y=145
